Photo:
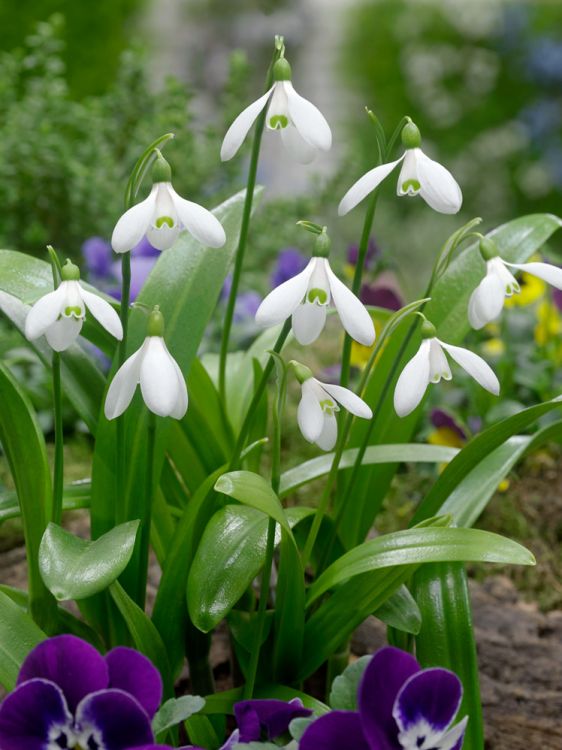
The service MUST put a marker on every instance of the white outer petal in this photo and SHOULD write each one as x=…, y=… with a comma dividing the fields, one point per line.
x=413, y=381
x=63, y=333
x=158, y=378
x=122, y=387
x=239, y=129
x=353, y=313
x=103, y=313
x=282, y=301
x=329, y=435
x=133, y=225
x=486, y=301
x=439, y=189
x=545, y=271
x=44, y=313
x=475, y=366
x=202, y=224
x=180, y=407
x=296, y=146
x=366, y=185
x=349, y=400
x=308, y=119
x=308, y=322
x=310, y=416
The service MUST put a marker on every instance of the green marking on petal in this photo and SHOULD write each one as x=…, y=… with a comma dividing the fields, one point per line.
x=414, y=184
x=329, y=406
x=278, y=122
x=318, y=295
x=161, y=220
x=76, y=311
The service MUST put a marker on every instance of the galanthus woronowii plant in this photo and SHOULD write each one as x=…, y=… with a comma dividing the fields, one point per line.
x=208, y=494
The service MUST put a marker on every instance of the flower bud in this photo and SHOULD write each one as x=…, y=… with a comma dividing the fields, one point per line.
x=282, y=70
x=488, y=249
x=70, y=271
x=411, y=136
x=155, y=326
x=161, y=171
x=302, y=372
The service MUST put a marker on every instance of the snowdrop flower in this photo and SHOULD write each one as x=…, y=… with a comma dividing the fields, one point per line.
x=430, y=364
x=161, y=216
x=303, y=128
x=419, y=175
x=306, y=297
x=487, y=300
x=317, y=409
x=162, y=384
x=59, y=315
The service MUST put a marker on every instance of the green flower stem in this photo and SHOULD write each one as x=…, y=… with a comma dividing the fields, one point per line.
x=58, y=473
x=244, y=228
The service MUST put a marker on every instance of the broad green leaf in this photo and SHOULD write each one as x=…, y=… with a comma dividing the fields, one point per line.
x=400, y=611
x=24, y=447
x=343, y=694
x=446, y=638
x=289, y=611
x=18, y=635
x=176, y=710
x=252, y=490
x=420, y=545
x=75, y=568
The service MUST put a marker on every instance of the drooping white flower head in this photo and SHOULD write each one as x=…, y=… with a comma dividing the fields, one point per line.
x=306, y=297
x=419, y=175
x=162, y=384
x=59, y=315
x=487, y=300
x=317, y=409
x=304, y=130
x=162, y=215
x=430, y=364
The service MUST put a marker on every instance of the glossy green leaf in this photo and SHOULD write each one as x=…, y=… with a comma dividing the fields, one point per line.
x=289, y=612
x=18, y=635
x=446, y=638
x=420, y=545
x=343, y=693
x=401, y=611
x=254, y=491
x=176, y=710
x=75, y=568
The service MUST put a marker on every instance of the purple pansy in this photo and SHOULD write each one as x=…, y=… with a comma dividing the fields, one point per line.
x=98, y=257
x=379, y=295
x=290, y=262
x=69, y=696
x=373, y=252
x=401, y=707
x=441, y=418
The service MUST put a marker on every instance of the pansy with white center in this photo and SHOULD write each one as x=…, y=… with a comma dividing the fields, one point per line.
x=306, y=298
x=162, y=384
x=316, y=414
x=487, y=300
x=161, y=216
x=419, y=175
x=430, y=364
x=59, y=315
x=304, y=130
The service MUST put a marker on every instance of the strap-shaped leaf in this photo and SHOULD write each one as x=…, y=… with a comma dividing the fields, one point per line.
x=18, y=635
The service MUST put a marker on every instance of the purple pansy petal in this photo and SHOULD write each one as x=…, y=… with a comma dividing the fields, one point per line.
x=135, y=674
x=273, y=715
x=433, y=696
x=442, y=418
x=338, y=730
x=141, y=266
x=372, y=252
x=246, y=306
x=380, y=296
x=115, y=719
x=71, y=663
x=98, y=256
x=31, y=715
x=382, y=680
x=290, y=262
x=145, y=249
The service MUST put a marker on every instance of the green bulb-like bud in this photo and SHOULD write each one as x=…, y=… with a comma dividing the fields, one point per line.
x=488, y=249
x=302, y=372
x=411, y=136
x=322, y=245
x=155, y=325
x=161, y=171
x=428, y=330
x=282, y=70
x=70, y=271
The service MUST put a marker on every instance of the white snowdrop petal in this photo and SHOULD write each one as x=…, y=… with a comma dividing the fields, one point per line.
x=486, y=301
x=122, y=388
x=310, y=416
x=545, y=271
x=158, y=378
x=365, y=185
x=352, y=312
x=296, y=146
x=327, y=438
x=282, y=301
x=239, y=129
x=439, y=189
x=202, y=224
x=44, y=313
x=349, y=400
x=438, y=365
x=408, y=182
x=163, y=237
x=103, y=312
x=133, y=225
x=180, y=407
x=63, y=333
x=413, y=382
x=308, y=119
x=308, y=321
x=475, y=366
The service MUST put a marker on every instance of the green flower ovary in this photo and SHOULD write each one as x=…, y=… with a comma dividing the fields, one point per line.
x=329, y=406
x=161, y=220
x=407, y=184
x=317, y=295
x=278, y=121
